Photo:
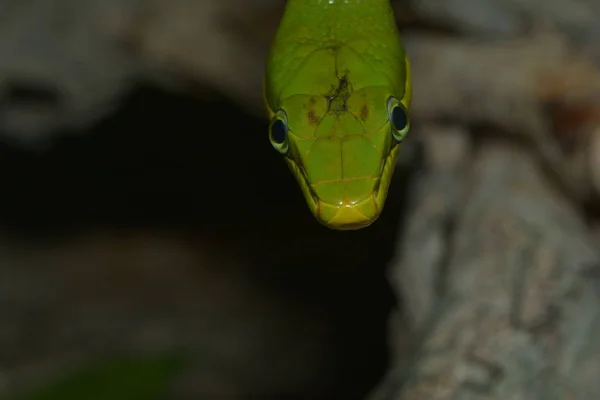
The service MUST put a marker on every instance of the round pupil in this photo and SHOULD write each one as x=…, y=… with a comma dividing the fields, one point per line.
x=399, y=118
x=278, y=131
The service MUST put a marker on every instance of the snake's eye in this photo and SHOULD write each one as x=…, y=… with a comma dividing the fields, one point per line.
x=399, y=118
x=278, y=132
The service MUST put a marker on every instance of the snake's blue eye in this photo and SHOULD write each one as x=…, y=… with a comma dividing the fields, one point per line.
x=399, y=118
x=278, y=131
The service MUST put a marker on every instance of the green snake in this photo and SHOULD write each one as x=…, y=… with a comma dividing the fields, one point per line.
x=337, y=90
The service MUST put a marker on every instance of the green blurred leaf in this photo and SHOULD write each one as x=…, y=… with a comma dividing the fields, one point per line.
x=118, y=379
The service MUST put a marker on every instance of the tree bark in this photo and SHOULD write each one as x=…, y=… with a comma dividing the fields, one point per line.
x=501, y=285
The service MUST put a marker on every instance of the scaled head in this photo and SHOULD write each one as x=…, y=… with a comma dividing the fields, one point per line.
x=338, y=122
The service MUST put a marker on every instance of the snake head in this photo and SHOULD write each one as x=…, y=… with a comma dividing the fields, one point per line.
x=337, y=89
x=342, y=150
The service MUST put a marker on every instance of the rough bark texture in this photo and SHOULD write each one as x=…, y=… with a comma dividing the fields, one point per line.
x=507, y=306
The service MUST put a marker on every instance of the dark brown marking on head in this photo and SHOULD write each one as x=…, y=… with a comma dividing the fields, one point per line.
x=342, y=85
x=337, y=99
x=364, y=112
x=312, y=118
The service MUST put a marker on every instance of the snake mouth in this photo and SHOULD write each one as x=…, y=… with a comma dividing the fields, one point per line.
x=347, y=215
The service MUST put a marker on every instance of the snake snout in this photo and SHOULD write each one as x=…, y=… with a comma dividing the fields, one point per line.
x=347, y=216
x=347, y=204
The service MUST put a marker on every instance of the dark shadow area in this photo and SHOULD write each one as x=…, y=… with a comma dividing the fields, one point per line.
x=172, y=162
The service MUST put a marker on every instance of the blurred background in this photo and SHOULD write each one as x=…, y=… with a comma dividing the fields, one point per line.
x=153, y=245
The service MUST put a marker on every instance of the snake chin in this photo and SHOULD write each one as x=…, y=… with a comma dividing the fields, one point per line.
x=345, y=216
x=349, y=216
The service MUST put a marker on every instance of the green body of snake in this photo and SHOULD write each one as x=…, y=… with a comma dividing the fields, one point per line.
x=337, y=89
